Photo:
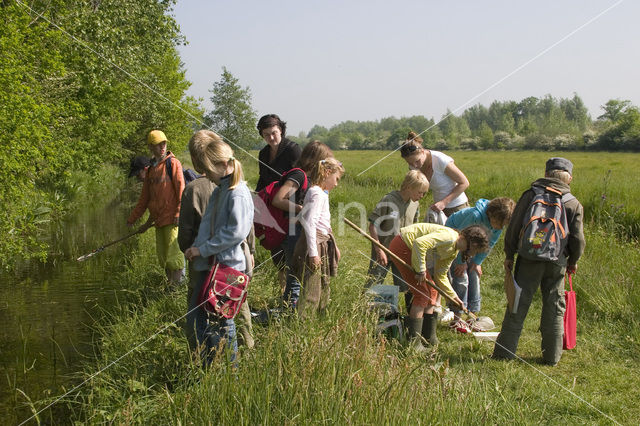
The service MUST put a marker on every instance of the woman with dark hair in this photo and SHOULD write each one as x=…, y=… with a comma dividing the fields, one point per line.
x=279, y=155
x=446, y=181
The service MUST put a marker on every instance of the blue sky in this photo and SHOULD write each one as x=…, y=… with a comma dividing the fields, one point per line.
x=325, y=62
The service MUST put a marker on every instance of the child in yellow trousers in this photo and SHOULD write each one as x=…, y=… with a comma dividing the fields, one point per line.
x=161, y=194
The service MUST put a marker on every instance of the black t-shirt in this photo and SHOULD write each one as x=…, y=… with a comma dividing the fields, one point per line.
x=297, y=176
x=287, y=155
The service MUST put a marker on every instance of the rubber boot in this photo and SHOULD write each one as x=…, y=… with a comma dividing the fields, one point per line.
x=429, y=326
x=408, y=298
x=415, y=329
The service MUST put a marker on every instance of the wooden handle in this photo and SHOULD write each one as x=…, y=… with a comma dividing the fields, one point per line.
x=406, y=265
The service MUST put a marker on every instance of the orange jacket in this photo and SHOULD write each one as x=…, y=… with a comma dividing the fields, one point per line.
x=161, y=194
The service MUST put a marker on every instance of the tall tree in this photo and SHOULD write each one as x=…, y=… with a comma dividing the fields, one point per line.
x=486, y=136
x=81, y=84
x=454, y=129
x=623, y=132
x=318, y=132
x=233, y=116
x=614, y=109
x=576, y=112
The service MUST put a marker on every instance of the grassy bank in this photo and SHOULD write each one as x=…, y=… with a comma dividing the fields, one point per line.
x=336, y=370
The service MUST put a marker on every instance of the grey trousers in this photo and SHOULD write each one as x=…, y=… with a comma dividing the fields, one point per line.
x=530, y=275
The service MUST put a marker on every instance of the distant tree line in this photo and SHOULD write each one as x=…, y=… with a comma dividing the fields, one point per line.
x=533, y=123
x=81, y=84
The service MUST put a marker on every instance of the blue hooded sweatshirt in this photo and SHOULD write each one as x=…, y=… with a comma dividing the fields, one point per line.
x=476, y=215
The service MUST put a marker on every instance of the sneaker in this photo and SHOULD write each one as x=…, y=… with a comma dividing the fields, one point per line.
x=472, y=324
x=460, y=326
x=447, y=315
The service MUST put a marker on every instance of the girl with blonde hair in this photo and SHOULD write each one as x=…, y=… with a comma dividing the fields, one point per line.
x=316, y=254
x=225, y=225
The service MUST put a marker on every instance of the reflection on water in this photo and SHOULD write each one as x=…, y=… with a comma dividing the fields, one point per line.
x=47, y=309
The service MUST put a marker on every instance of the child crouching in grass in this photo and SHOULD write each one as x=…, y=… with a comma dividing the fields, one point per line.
x=395, y=210
x=316, y=254
x=225, y=225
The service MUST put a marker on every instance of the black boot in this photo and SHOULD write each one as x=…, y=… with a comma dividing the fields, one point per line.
x=415, y=337
x=408, y=298
x=429, y=327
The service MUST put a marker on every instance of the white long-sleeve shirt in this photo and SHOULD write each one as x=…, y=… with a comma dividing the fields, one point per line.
x=315, y=216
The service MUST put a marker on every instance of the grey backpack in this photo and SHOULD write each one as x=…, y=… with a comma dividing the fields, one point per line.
x=545, y=231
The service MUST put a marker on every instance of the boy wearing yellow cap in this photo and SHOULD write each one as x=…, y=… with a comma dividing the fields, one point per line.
x=161, y=194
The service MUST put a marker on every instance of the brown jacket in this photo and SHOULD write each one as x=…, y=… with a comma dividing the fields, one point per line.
x=326, y=250
x=160, y=193
x=192, y=206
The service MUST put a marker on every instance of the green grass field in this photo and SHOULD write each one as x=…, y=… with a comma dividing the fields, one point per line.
x=337, y=370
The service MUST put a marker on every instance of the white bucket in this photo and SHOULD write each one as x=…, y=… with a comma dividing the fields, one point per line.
x=486, y=336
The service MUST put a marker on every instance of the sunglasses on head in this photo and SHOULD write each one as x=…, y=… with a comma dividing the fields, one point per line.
x=408, y=149
x=324, y=161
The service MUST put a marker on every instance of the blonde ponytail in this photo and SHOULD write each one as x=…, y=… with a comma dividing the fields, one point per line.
x=238, y=174
x=324, y=168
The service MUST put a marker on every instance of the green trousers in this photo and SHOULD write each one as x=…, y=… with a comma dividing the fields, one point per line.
x=169, y=255
x=530, y=275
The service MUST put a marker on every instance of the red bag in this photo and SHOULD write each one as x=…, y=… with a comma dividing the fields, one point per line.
x=224, y=290
x=570, y=318
x=271, y=223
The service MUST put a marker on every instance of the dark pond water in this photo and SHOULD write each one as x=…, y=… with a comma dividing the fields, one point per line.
x=47, y=310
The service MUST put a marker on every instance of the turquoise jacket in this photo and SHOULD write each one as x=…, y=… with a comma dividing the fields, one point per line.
x=476, y=215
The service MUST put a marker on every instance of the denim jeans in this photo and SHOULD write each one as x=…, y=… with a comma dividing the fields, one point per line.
x=292, y=289
x=209, y=330
x=467, y=287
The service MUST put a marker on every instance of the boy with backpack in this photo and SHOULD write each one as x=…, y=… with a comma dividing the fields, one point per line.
x=161, y=194
x=546, y=232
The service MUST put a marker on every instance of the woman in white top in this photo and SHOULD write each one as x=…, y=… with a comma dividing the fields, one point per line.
x=446, y=181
